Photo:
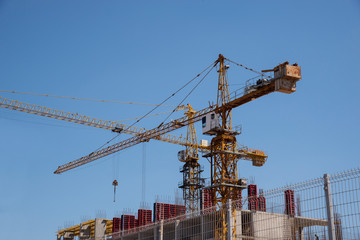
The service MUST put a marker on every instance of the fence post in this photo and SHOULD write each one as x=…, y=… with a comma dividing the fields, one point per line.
x=177, y=223
x=161, y=230
x=202, y=225
x=329, y=207
x=229, y=220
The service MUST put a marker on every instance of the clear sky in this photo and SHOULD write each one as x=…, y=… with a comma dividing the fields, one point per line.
x=142, y=51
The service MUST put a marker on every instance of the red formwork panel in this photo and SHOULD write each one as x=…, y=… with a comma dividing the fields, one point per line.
x=261, y=204
x=252, y=197
x=172, y=211
x=289, y=202
x=116, y=225
x=161, y=211
x=136, y=222
x=206, y=201
x=236, y=197
x=127, y=222
x=180, y=210
x=144, y=216
x=252, y=203
x=157, y=212
x=167, y=213
x=252, y=190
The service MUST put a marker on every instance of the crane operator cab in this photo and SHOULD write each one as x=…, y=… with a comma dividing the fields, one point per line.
x=210, y=123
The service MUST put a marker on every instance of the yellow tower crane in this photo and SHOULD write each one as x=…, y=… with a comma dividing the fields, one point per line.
x=223, y=151
x=284, y=80
x=113, y=126
x=191, y=170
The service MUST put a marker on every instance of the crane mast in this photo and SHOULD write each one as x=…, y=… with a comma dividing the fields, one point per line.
x=191, y=170
x=224, y=155
x=225, y=184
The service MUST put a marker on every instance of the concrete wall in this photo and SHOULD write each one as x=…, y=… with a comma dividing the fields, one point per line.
x=247, y=224
x=271, y=225
x=100, y=228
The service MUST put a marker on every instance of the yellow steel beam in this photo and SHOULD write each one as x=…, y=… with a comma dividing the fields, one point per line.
x=84, y=120
x=76, y=229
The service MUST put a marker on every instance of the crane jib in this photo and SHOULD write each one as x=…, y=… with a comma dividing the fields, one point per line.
x=168, y=127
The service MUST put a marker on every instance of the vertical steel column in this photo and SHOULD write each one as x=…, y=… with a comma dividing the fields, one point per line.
x=202, y=226
x=229, y=220
x=161, y=230
x=156, y=233
x=177, y=223
x=329, y=207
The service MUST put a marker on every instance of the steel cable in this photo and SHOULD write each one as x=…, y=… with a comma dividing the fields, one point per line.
x=212, y=65
x=247, y=68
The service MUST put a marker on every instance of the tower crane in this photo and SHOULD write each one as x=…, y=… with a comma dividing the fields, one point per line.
x=284, y=80
x=223, y=151
x=113, y=126
x=191, y=170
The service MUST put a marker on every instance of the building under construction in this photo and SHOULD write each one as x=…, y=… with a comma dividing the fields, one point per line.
x=322, y=208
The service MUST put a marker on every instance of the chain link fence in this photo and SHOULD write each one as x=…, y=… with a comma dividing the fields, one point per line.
x=327, y=207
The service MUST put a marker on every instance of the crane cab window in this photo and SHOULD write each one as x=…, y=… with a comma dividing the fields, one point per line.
x=203, y=122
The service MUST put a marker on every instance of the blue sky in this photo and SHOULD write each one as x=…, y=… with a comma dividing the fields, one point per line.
x=142, y=51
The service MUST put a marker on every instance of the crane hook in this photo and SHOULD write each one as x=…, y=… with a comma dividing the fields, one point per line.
x=115, y=184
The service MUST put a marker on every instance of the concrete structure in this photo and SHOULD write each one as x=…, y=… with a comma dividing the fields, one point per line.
x=68, y=236
x=325, y=207
x=100, y=228
x=85, y=231
x=247, y=225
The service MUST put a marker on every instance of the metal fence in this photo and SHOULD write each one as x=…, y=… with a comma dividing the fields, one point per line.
x=323, y=208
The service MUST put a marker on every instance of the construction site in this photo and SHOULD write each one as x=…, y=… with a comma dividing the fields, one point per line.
x=179, y=120
x=228, y=207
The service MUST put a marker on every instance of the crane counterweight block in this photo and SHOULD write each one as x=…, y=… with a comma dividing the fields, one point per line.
x=286, y=76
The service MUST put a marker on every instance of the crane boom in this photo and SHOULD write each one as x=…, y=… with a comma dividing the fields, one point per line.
x=88, y=121
x=154, y=133
x=285, y=78
x=81, y=119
